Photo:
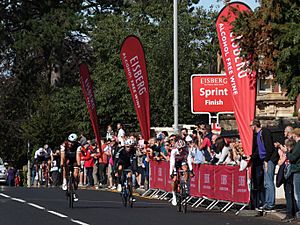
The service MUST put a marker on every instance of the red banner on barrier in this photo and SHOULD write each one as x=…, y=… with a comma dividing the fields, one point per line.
x=195, y=182
x=224, y=182
x=214, y=182
x=241, y=188
x=207, y=181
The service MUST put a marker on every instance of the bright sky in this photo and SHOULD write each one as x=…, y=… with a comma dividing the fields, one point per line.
x=219, y=5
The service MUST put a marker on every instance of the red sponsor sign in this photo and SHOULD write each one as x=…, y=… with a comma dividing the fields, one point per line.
x=242, y=81
x=133, y=59
x=224, y=182
x=241, y=188
x=87, y=89
x=195, y=182
x=210, y=93
x=215, y=182
x=159, y=175
x=207, y=181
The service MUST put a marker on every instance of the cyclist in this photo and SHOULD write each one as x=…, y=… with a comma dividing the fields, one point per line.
x=179, y=159
x=70, y=156
x=125, y=161
x=40, y=158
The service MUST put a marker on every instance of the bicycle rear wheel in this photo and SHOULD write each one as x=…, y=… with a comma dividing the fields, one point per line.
x=179, y=200
x=130, y=200
x=71, y=192
x=124, y=197
x=183, y=200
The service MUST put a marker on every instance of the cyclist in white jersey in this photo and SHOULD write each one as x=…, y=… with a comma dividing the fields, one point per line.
x=179, y=159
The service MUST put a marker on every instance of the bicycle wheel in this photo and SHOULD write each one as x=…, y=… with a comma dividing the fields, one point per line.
x=183, y=202
x=130, y=200
x=179, y=200
x=124, y=197
x=71, y=192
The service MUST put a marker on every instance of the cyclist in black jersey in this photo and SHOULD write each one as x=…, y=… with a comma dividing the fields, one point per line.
x=70, y=158
x=125, y=160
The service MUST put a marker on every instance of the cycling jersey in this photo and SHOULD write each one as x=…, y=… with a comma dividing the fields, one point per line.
x=41, y=155
x=126, y=158
x=70, y=150
x=179, y=158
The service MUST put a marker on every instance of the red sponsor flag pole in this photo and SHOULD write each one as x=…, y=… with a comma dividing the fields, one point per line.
x=133, y=60
x=242, y=81
x=87, y=89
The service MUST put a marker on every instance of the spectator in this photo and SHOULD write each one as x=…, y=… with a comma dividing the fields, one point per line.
x=109, y=133
x=183, y=133
x=204, y=142
x=223, y=150
x=294, y=158
x=287, y=179
x=82, y=139
x=103, y=163
x=54, y=170
x=269, y=156
x=11, y=176
x=166, y=150
x=121, y=134
x=195, y=154
x=89, y=163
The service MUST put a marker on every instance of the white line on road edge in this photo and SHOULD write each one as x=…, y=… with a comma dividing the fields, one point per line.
x=36, y=206
x=18, y=200
x=79, y=222
x=57, y=214
x=4, y=195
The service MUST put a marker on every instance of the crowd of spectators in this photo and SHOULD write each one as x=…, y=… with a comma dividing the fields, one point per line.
x=98, y=162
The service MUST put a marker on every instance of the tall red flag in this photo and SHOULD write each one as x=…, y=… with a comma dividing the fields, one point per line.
x=87, y=89
x=133, y=59
x=242, y=81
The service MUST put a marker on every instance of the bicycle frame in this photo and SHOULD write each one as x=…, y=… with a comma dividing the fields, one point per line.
x=182, y=190
x=126, y=192
x=70, y=190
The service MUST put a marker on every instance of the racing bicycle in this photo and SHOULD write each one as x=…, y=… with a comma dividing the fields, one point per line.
x=126, y=192
x=182, y=192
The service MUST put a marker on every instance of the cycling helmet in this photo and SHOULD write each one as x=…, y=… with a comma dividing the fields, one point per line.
x=180, y=144
x=72, y=137
x=188, y=138
x=128, y=142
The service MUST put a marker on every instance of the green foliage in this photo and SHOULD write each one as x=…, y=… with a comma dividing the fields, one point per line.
x=271, y=37
x=36, y=35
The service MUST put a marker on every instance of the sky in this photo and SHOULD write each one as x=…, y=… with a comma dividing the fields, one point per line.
x=219, y=5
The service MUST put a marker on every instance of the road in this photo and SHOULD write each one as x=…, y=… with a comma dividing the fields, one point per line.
x=48, y=206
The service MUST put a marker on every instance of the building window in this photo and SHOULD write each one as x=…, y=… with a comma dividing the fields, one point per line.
x=265, y=85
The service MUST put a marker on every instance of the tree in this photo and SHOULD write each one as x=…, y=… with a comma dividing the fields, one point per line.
x=152, y=22
x=271, y=38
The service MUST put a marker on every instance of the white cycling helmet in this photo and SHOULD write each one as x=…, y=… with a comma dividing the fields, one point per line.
x=72, y=137
x=129, y=142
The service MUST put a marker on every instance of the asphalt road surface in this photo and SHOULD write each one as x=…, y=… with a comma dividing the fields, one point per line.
x=49, y=206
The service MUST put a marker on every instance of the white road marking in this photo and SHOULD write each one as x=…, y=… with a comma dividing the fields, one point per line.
x=18, y=200
x=36, y=206
x=43, y=208
x=57, y=214
x=79, y=222
x=4, y=195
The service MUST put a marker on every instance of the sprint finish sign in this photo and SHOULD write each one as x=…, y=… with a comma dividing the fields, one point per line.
x=210, y=93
